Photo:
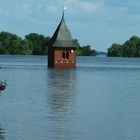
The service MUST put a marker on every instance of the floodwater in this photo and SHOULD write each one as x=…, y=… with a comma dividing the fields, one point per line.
x=98, y=100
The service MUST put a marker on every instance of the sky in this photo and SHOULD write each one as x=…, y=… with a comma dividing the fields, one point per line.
x=98, y=23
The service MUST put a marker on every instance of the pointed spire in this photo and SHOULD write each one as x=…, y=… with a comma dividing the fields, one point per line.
x=63, y=14
x=62, y=36
x=64, y=8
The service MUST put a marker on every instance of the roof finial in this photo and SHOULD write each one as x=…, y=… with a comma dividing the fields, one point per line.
x=64, y=8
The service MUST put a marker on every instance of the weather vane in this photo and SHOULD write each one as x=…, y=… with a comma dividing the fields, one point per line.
x=64, y=8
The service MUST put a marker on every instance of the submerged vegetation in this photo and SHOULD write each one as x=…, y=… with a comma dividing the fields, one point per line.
x=33, y=44
x=131, y=48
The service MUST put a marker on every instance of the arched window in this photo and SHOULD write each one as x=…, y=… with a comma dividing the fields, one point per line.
x=65, y=54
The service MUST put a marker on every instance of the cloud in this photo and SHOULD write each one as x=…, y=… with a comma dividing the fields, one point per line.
x=89, y=7
x=77, y=6
x=52, y=8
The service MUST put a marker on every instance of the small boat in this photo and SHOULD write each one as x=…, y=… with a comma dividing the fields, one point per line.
x=2, y=85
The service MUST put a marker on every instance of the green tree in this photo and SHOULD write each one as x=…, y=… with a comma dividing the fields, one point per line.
x=77, y=42
x=45, y=46
x=5, y=39
x=86, y=51
x=10, y=42
x=3, y=50
x=14, y=46
x=131, y=48
x=115, y=50
x=138, y=50
x=79, y=51
x=39, y=43
x=25, y=47
x=136, y=41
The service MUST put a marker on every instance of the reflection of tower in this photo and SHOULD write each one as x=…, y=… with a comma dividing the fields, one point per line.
x=61, y=98
x=2, y=134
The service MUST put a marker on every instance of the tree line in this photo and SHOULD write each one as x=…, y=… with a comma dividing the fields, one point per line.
x=36, y=44
x=85, y=50
x=131, y=48
x=33, y=44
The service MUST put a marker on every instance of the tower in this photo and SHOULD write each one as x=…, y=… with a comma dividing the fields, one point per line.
x=62, y=48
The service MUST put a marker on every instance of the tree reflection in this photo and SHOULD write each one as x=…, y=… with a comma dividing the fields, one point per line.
x=61, y=100
x=2, y=134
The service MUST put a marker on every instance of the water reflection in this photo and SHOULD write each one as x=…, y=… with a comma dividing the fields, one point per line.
x=61, y=100
x=2, y=134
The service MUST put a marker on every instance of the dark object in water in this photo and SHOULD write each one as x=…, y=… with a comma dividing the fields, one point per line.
x=2, y=85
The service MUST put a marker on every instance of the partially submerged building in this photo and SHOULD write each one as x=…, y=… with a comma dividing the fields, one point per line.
x=62, y=48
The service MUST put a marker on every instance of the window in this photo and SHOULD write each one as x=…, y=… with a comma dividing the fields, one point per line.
x=65, y=54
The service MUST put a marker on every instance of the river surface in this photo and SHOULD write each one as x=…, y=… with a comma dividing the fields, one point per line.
x=98, y=100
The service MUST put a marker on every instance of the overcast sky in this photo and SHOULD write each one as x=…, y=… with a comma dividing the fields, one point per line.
x=98, y=23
